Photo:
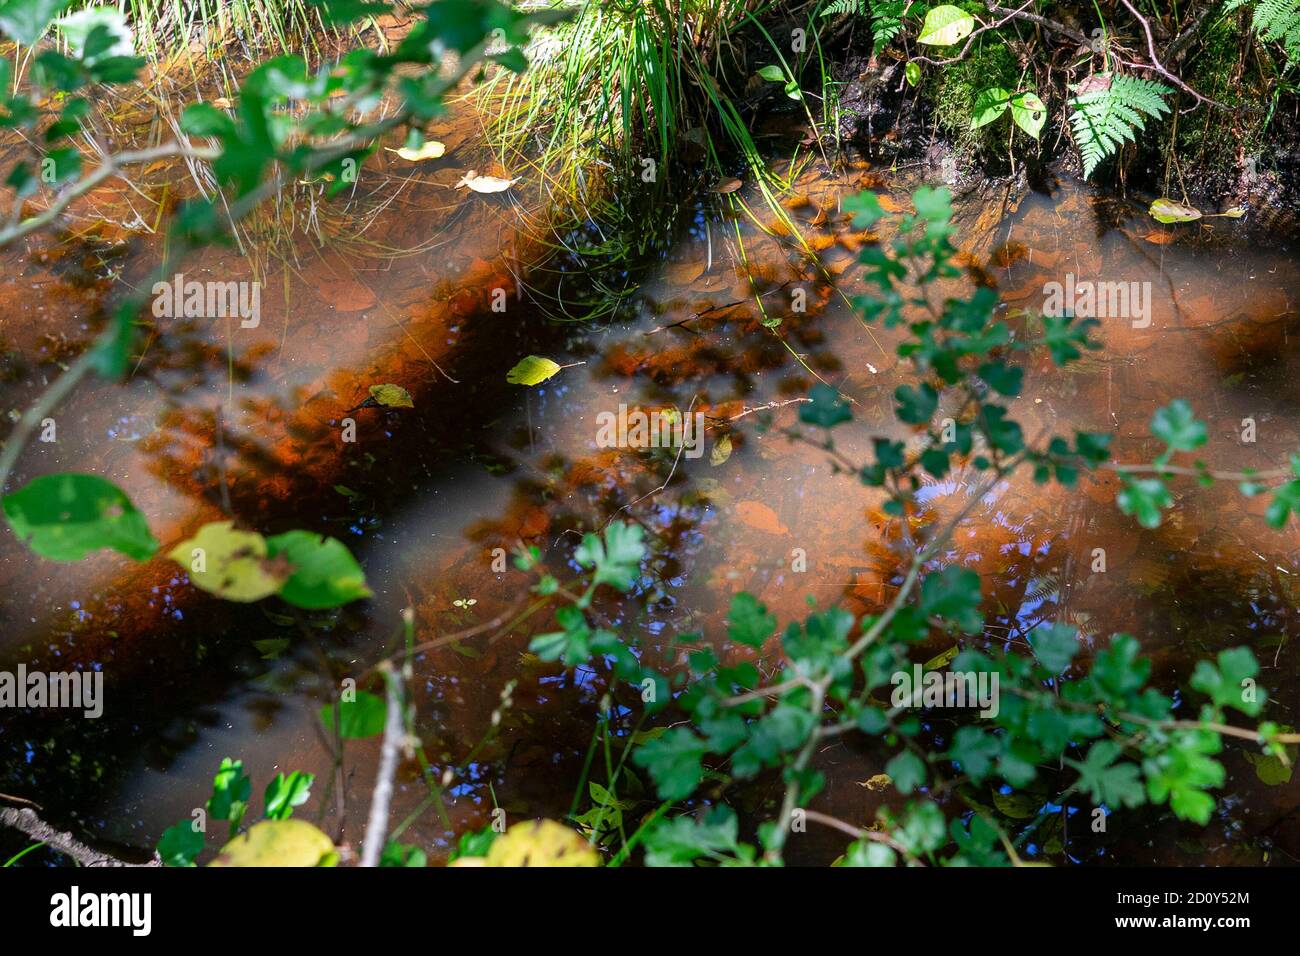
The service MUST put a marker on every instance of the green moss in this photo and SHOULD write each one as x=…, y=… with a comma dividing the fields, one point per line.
x=954, y=87
x=1212, y=138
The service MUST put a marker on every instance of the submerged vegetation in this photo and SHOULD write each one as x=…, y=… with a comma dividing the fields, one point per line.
x=613, y=126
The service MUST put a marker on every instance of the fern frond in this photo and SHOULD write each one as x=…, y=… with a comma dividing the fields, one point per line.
x=836, y=7
x=1110, y=110
x=1277, y=21
x=886, y=17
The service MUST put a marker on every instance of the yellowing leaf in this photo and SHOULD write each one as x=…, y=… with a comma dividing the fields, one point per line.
x=721, y=450
x=279, y=843
x=1166, y=210
x=532, y=370
x=1236, y=212
x=945, y=25
x=879, y=782
x=431, y=149
x=230, y=564
x=485, y=184
x=541, y=843
x=391, y=396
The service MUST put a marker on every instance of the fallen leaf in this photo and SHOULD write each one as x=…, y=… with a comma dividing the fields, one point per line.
x=760, y=517
x=721, y=450
x=1166, y=210
x=346, y=295
x=879, y=782
x=485, y=184
x=728, y=185
x=532, y=370
x=432, y=149
x=279, y=843
x=391, y=396
x=222, y=103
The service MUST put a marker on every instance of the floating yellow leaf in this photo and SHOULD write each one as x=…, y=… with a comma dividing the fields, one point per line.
x=541, y=843
x=1166, y=210
x=391, y=396
x=279, y=843
x=532, y=370
x=230, y=564
x=431, y=149
x=485, y=184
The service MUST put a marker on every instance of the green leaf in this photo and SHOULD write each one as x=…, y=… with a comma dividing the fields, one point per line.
x=1029, y=113
x=1177, y=427
x=975, y=750
x=403, y=855
x=27, y=20
x=323, y=575
x=1168, y=211
x=945, y=25
x=180, y=844
x=532, y=370
x=1054, y=645
x=907, y=770
x=827, y=408
x=229, y=563
x=674, y=761
x=1107, y=782
x=359, y=718
x=916, y=405
x=748, y=622
x=953, y=595
x=231, y=789
x=284, y=793
x=1231, y=683
x=66, y=516
x=869, y=853
x=989, y=105
x=912, y=73
x=617, y=560
x=772, y=73
x=683, y=840
x=1144, y=498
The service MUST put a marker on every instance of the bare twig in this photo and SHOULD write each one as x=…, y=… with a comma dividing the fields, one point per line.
x=29, y=823
x=394, y=737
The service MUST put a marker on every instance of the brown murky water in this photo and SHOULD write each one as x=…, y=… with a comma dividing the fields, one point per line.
x=426, y=494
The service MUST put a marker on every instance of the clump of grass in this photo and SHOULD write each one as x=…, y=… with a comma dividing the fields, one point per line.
x=165, y=28
x=626, y=109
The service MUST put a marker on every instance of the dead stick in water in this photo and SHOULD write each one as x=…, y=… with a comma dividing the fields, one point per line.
x=394, y=735
x=29, y=823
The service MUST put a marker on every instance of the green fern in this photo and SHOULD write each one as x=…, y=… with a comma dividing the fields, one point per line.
x=886, y=17
x=1107, y=111
x=1276, y=21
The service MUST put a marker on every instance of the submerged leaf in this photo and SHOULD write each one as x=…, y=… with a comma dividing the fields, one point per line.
x=721, y=451
x=391, y=396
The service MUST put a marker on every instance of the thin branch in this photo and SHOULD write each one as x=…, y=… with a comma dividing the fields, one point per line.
x=394, y=738
x=29, y=823
x=1155, y=59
